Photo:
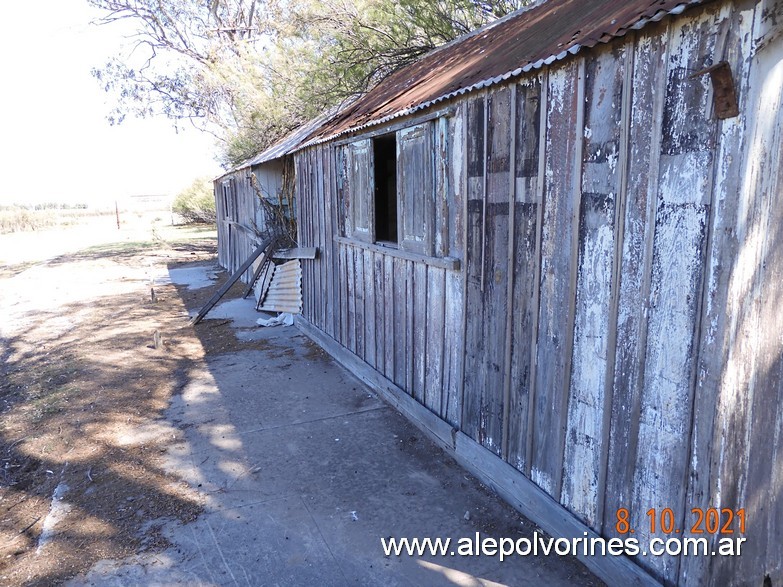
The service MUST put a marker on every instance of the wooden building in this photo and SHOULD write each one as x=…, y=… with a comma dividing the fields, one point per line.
x=555, y=245
x=242, y=218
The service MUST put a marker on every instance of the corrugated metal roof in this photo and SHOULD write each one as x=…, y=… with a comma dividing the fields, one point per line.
x=525, y=40
x=290, y=142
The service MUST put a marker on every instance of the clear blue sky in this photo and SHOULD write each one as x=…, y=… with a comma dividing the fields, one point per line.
x=55, y=142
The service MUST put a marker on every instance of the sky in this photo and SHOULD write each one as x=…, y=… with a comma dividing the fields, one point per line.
x=55, y=141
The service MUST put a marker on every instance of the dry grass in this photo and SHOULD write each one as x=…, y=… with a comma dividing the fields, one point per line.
x=23, y=219
x=76, y=383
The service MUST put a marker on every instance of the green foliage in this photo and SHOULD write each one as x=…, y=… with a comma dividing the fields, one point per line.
x=252, y=70
x=196, y=203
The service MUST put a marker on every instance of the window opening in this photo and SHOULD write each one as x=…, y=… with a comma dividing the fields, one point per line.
x=385, y=155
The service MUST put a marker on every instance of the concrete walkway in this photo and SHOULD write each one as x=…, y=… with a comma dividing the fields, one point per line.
x=303, y=470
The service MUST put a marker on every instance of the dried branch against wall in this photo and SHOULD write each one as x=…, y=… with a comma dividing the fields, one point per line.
x=279, y=215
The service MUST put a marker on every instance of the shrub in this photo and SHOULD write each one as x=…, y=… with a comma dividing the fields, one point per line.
x=196, y=203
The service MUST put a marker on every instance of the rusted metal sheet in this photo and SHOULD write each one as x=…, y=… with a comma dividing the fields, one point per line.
x=526, y=40
x=724, y=95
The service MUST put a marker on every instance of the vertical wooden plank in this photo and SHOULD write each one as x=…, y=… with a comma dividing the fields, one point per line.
x=307, y=233
x=435, y=301
x=746, y=453
x=318, y=298
x=619, y=220
x=416, y=188
x=390, y=298
x=595, y=277
x=351, y=294
x=509, y=327
x=524, y=260
x=343, y=284
x=420, y=326
x=219, y=214
x=332, y=244
x=343, y=192
x=362, y=182
x=454, y=342
x=542, y=165
x=454, y=347
x=370, y=318
x=359, y=295
x=381, y=301
x=762, y=485
x=474, y=367
x=496, y=239
x=305, y=230
x=555, y=322
x=320, y=262
x=301, y=167
x=313, y=229
x=329, y=248
x=442, y=187
x=715, y=337
x=401, y=309
x=410, y=325
x=679, y=239
x=646, y=114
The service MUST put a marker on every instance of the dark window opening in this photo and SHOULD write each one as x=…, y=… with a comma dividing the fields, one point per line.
x=385, y=154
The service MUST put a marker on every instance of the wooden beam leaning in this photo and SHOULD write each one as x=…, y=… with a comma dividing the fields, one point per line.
x=267, y=258
x=231, y=281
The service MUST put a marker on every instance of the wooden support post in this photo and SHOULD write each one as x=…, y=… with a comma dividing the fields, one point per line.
x=512, y=182
x=231, y=281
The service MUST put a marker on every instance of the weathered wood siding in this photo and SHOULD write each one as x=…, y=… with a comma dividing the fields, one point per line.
x=239, y=214
x=613, y=331
x=401, y=314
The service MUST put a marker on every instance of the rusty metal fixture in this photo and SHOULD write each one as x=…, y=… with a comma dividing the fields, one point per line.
x=724, y=95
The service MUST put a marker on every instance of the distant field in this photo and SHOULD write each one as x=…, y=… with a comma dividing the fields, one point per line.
x=21, y=219
x=82, y=232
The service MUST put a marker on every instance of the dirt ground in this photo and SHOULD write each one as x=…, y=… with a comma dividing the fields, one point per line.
x=80, y=379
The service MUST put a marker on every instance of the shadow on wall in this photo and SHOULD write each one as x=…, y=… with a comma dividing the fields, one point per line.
x=747, y=444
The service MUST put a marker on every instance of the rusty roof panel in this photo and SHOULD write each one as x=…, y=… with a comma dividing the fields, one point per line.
x=525, y=40
x=289, y=142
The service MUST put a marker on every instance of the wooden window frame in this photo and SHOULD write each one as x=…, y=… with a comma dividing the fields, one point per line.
x=359, y=183
x=416, y=195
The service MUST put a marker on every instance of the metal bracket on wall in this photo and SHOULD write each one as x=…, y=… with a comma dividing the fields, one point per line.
x=724, y=95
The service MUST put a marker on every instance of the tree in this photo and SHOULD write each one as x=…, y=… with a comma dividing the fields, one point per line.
x=196, y=203
x=251, y=70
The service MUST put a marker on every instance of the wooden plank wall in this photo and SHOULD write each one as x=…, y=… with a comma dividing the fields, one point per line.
x=738, y=445
x=239, y=214
x=614, y=331
x=402, y=317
